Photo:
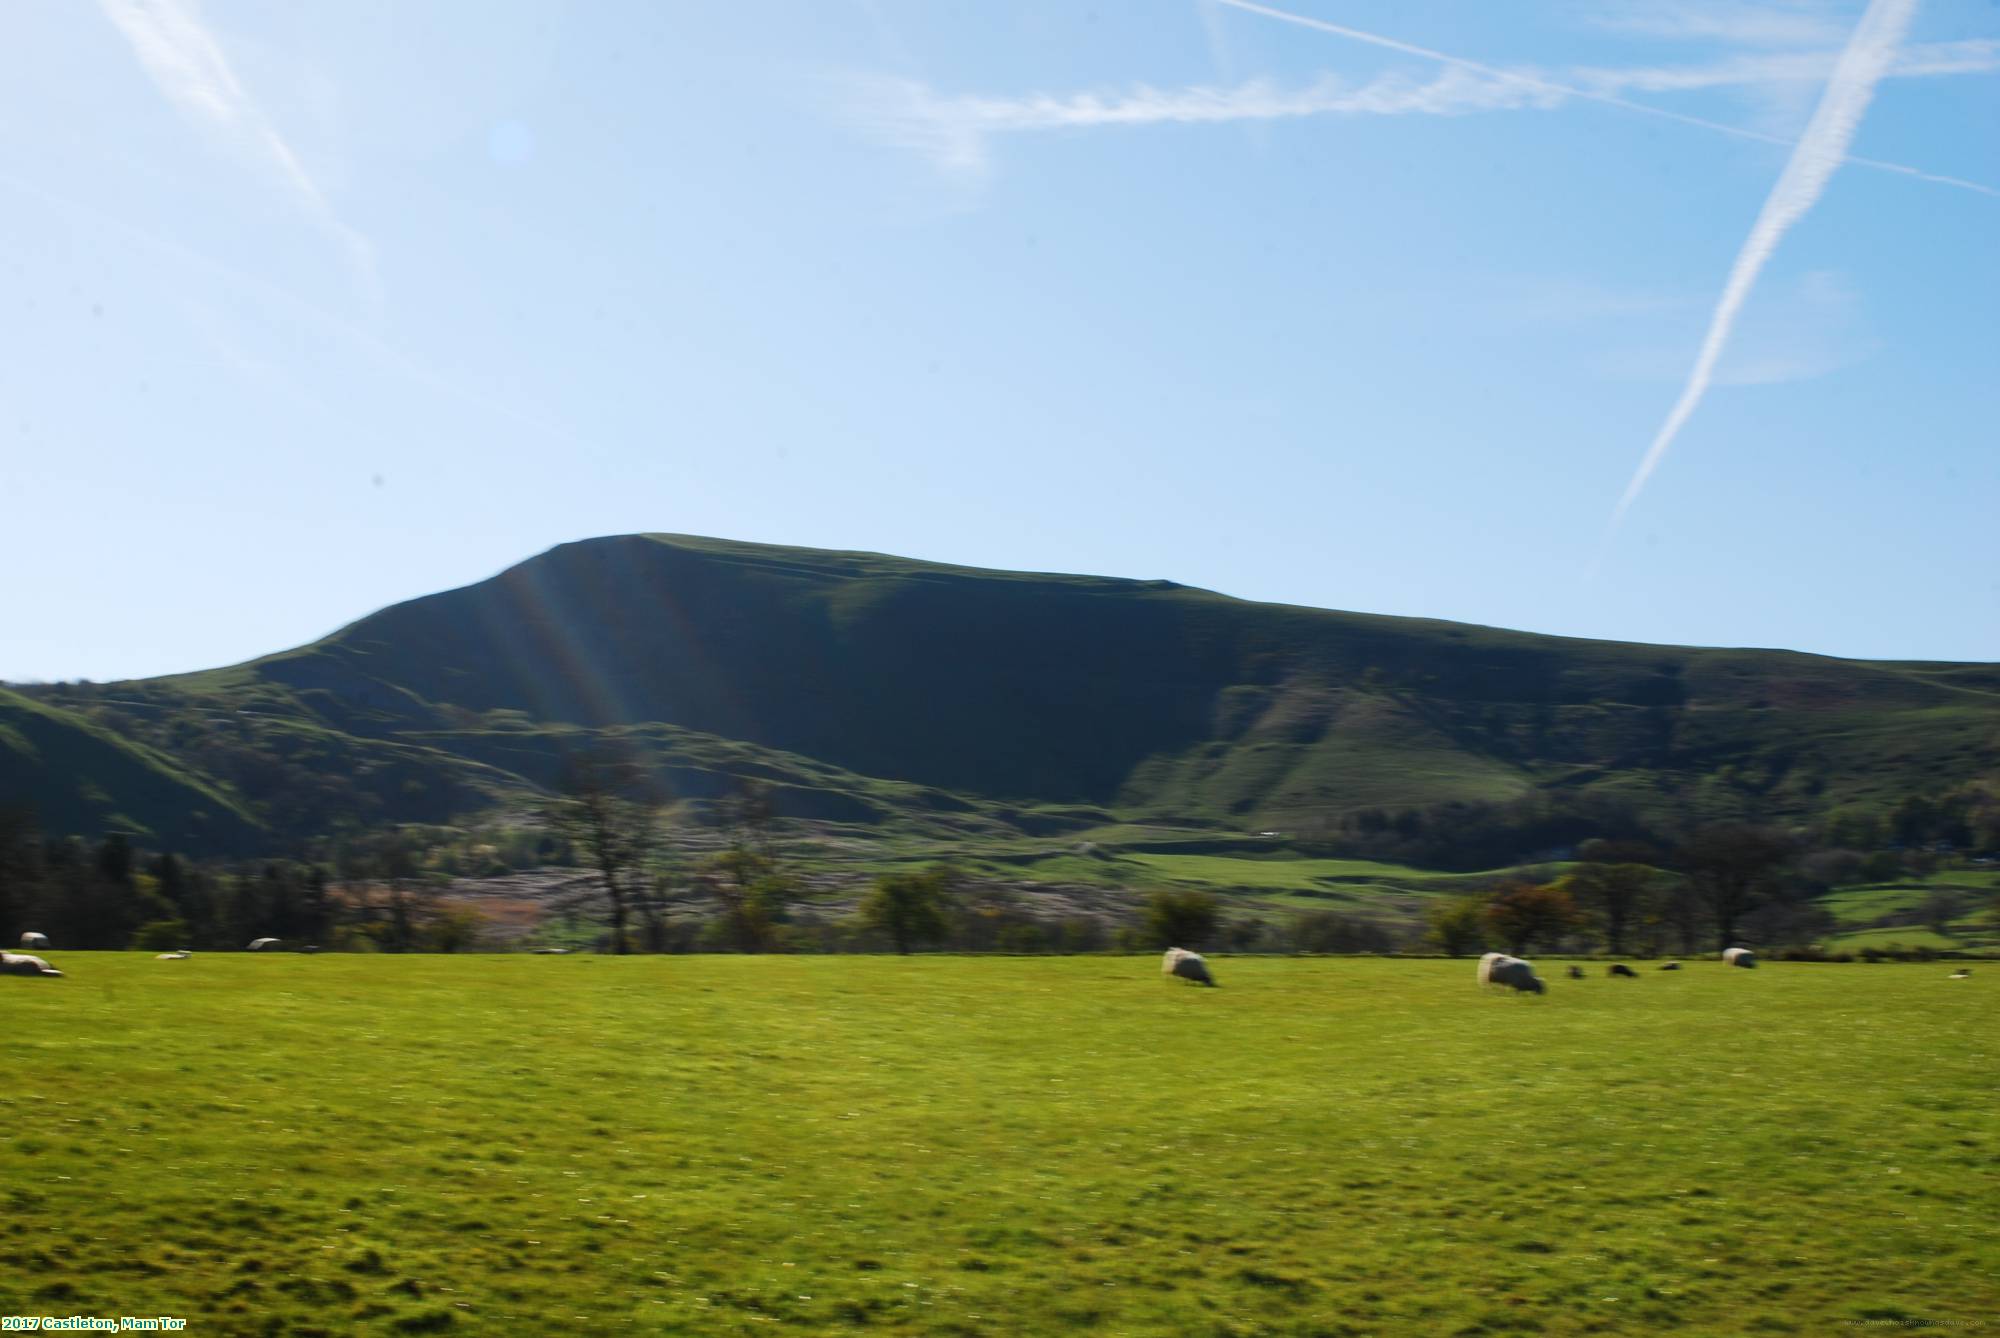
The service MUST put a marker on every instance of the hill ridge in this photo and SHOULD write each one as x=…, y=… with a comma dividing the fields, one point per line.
x=1002, y=687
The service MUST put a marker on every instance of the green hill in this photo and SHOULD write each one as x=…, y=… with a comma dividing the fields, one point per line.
x=873, y=688
x=78, y=776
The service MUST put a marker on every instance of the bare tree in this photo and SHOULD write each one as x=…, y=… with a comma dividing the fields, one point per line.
x=1618, y=893
x=1731, y=865
x=602, y=807
x=387, y=866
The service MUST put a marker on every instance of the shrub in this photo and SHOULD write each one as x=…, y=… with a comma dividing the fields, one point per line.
x=161, y=936
x=1180, y=919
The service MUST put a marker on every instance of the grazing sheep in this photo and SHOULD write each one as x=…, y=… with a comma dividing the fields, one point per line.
x=1187, y=965
x=1620, y=969
x=1739, y=957
x=262, y=944
x=310, y=948
x=552, y=952
x=24, y=964
x=33, y=940
x=1960, y=974
x=1497, y=968
x=180, y=956
x=1575, y=972
x=1670, y=966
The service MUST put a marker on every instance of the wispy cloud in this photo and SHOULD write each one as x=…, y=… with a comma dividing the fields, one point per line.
x=1973, y=56
x=189, y=67
x=956, y=132
x=1800, y=330
x=1562, y=90
x=1733, y=23
x=1870, y=53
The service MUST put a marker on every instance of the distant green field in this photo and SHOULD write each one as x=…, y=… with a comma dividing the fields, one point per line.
x=1857, y=908
x=1275, y=874
x=1905, y=936
x=994, y=1146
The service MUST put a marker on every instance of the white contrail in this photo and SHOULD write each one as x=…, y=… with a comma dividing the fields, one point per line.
x=1555, y=88
x=187, y=64
x=1820, y=152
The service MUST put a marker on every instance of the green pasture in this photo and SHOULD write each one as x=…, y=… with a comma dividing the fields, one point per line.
x=1287, y=875
x=938, y=1145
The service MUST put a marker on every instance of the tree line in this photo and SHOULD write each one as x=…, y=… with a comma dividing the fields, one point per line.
x=1628, y=891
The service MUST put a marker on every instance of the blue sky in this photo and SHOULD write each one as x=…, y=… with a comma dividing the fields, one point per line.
x=315, y=308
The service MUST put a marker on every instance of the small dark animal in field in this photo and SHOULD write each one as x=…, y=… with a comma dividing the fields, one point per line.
x=1576, y=972
x=1620, y=969
x=25, y=964
x=310, y=947
x=1670, y=966
x=1187, y=965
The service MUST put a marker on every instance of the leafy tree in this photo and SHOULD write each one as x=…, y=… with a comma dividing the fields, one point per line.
x=754, y=896
x=1852, y=829
x=911, y=907
x=1941, y=909
x=601, y=809
x=1180, y=919
x=1882, y=866
x=455, y=928
x=1731, y=865
x=746, y=880
x=21, y=869
x=1458, y=926
x=1521, y=914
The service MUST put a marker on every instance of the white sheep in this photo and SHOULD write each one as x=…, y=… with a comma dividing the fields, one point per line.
x=1497, y=968
x=33, y=940
x=24, y=964
x=1739, y=957
x=180, y=956
x=262, y=944
x=1187, y=965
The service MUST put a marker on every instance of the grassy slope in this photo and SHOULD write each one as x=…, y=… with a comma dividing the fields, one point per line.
x=976, y=688
x=80, y=776
x=953, y=1146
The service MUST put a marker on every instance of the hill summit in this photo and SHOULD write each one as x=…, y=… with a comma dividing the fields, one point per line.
x=867, y=687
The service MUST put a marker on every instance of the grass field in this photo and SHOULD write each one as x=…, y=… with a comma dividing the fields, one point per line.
x=996, y=1146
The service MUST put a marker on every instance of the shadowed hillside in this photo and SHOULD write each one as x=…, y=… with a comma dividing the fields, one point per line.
x=77, y=776
x=871, y=686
